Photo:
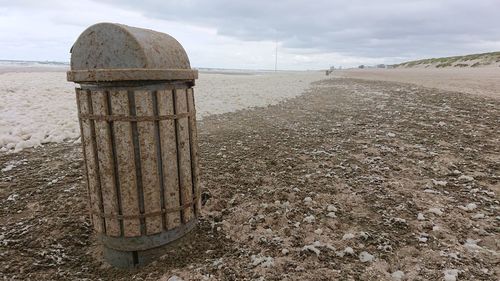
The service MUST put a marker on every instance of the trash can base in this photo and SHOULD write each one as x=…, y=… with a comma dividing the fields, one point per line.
x=134, y=259
x=128, y=260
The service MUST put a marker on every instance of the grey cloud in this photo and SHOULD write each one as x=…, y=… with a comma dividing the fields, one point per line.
x=382, y=28
x=353, y=31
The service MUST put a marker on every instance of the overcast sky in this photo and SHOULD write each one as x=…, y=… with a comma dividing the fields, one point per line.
x=311, y=34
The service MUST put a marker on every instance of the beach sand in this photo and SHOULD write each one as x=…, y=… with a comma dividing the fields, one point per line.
x=354, y=180
x=483, y=81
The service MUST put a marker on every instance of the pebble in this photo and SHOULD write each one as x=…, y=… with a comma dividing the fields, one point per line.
x=465, y=178
x=331, y=208
x=436, y=211
x=310, y=219
x=366, y=257
x=398, y=275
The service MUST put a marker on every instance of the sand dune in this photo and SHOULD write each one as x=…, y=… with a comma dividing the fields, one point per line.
x=473, y=60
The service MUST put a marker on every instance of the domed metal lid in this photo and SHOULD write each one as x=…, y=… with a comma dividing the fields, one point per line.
x=116, y=52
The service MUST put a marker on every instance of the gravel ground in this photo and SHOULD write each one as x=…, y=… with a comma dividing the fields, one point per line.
x=355, y=180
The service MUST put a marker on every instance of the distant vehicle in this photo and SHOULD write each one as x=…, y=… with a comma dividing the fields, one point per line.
x=361, y=66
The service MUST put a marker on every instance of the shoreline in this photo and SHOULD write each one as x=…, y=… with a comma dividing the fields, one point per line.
x=31, y=69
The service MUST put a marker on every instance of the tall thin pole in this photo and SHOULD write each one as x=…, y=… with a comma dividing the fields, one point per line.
x=276, y=58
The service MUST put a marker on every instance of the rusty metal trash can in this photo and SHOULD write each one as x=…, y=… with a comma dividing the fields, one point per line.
x=138, y=128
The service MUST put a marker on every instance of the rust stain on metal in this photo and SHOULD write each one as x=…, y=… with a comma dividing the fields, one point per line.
x=169, y=157
x=183, y=153
x=126, y=164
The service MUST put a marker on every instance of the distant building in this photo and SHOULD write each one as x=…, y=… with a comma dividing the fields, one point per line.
x=381, y=66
